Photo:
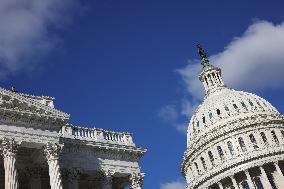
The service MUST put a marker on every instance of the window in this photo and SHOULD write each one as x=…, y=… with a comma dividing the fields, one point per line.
x=236, y=107
x=253, y=141
x=211, y=157
x=203, y=163
x=242, y=144
x=220, y=151
x=245, y=185
x=262, y=134
x=259, y=105
x=230, y=147
x=206, y=81
x=226, y=108
x=218, y=112
x=275, y=137
x=250, y=102
x=210, y=115
x=244, y=106
x=258, y=183
x=203, y=119
x=196, y=167
x=282, y=132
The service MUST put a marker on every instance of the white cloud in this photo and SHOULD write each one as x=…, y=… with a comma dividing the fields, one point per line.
x=27, y=31
x=174, y=185
x=253, y=61
x=170, y=115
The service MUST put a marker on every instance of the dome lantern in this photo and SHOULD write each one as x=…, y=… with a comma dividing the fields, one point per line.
x=210, y=75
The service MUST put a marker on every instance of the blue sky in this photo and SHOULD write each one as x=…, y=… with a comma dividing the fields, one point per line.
x=130, y=65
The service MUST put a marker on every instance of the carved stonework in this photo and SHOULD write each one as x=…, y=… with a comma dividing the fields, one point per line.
x=136, y=180
x=52, y=151
x=9, y=147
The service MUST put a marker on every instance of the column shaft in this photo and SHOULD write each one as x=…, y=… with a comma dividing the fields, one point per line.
x=52, y=152
x=11, y=177
x=235, y=184
x=280, y=180
x=9, y=149
x=220, y=185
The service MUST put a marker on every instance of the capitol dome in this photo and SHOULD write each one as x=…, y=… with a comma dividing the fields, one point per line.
x=235, y=139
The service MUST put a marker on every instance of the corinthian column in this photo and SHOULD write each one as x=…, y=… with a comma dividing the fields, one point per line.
x=136, y=180
x=52, y=152
x=9, y=149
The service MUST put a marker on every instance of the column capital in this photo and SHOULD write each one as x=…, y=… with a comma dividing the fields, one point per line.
x=136, y=180
x=9, y=147
x=52, y=151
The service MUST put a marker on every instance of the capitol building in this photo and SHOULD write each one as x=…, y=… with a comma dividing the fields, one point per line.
x=235, y=139
x=42, y=150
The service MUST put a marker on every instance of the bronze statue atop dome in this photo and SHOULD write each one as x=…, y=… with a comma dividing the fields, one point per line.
x=202, y=54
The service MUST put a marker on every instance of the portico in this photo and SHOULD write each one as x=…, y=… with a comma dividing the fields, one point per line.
x=41, y=150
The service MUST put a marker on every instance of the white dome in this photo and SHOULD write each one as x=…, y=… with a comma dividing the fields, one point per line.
x=224, y=105
x=235, y=139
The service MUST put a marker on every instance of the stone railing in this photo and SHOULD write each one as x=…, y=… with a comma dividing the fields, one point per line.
x=96, y=134
x=33, y=102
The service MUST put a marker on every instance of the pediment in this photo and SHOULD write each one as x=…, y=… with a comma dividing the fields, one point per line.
x=28, y=108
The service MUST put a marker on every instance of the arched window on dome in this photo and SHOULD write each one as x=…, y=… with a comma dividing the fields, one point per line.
x=250, y=102
x=231, y=148
x=244, y=106
x=203, y=163
x=211, y=157
x=264, y=139
x=218, y=112
x=196, y=167
x=242, y=144
x=227, y=109
x=236, y=107
x=245, y=185
x=257, y=182
x=259, y=105
x=210, y=115
x=282, y=133
x=220, y=151
x=253, y=141
x=274, y=137
x=203, y=119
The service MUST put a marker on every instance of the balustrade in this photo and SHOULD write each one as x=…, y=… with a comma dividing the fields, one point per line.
x=97, y=134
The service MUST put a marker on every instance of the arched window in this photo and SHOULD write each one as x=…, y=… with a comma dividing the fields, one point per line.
x=230, y=147
x=264, y=139
x=245, y=185
x=220, y=151
x=250, y=102
x=210, y=115
x=211, y=157
x=203, y=119
x=244, y=106
x=275, y=137
x=196, y=167
x=242, y=144
x=206, y=81
x=203, y=163
x=258, y=183
x=253, y=141
x=218, y=112
x=282, y=132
